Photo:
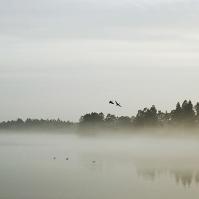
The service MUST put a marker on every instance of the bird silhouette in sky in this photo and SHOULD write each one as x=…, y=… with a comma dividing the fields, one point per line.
x=117, y=104
x=111, y=102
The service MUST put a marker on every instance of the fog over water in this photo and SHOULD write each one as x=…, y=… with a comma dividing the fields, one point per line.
x=67, y=58
x=58, y=165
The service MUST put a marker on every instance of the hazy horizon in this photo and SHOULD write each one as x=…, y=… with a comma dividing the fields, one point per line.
x=65, y=58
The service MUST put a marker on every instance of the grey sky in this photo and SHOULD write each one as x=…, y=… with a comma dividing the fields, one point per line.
x=63, y=58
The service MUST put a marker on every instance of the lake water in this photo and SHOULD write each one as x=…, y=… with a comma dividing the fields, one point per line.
x=47, y=166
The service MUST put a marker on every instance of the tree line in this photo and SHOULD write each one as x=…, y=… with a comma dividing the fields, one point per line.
x=184, y=114
x=35, y=124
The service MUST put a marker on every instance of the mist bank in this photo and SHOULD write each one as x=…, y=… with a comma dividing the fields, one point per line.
x=117, y=126
x=184, y=117
x=134, y=166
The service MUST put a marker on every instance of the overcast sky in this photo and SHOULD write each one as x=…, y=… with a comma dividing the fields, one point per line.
x=64, y=58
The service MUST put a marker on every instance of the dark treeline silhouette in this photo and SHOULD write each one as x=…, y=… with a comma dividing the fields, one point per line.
x=184, y=115
x=99, y=120
x=35, y=124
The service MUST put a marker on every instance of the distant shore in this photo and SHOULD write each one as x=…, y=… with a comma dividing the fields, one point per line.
x=184, y=116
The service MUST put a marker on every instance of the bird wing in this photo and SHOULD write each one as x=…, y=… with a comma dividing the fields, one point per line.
x=118, y=104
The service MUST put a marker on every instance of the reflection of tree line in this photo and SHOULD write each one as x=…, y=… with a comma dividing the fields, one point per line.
x=184, y=114
x=186, y=177
x=183, y=177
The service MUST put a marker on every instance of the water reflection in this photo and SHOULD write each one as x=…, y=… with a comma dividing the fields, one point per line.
x=186, y=177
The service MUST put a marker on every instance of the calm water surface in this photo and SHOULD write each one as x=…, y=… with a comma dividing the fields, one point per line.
x=47, y=166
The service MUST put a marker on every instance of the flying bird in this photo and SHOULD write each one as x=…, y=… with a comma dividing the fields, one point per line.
x=117, y=104
x=111, y=102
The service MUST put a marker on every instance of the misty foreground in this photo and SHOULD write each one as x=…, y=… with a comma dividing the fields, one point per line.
x=185, y=116
x=58, y=165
